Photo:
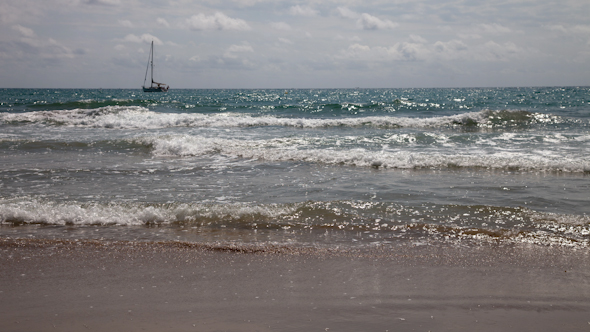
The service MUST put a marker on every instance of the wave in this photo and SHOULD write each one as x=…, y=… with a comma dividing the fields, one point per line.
x=87, y=104
x=507, y=151
x=327, y=151
x=38, y=145
x=138, y=117
x=361, y=220
x=395, y=151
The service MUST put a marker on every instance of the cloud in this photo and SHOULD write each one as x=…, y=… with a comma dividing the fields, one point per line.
x=281, y=26
x=417, y=39
x=357, y=51
x=285, y=41
x=410, y=51
x=581, y=28
x=162, y=22
x=557, y=27
x=302, y=11
x=233, y=50
x=53, y=49
x=469, y=36
x=493, y=28
x=26, y=32
x=347, y=13
x=348, y=38
x=365, y=21
x=369, y=22
x=145, y=38
x=218, y=21
x=104, y=2
x=29, y=45
x=492, y=51
x=126, y=23
x=38, y=50
x=377, y=55
x=489, y=51
x=451, y=50
x=418, y=50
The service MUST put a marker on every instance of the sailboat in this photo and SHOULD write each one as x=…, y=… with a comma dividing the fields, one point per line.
x=154, y=86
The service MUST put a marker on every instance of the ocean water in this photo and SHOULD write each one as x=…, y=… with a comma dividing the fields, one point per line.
x=335, y=168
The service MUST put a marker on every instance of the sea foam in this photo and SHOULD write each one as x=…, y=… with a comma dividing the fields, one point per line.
x=309, y=150
x=137, y=117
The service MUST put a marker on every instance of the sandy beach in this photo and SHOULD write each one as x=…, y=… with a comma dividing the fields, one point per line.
x=133, y=286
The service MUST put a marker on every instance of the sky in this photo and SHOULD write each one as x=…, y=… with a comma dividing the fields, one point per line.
x=295, y=44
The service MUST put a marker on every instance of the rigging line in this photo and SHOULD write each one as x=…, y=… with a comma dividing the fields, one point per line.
x=148, y=66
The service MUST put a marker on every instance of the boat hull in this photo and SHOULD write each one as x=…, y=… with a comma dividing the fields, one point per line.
x=155, y=89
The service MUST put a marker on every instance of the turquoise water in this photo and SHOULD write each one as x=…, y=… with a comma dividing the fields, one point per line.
x=333, y=167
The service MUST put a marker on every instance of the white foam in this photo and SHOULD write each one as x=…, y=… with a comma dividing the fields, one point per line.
x=308, y=150
x=136, y=117
x=34, y=211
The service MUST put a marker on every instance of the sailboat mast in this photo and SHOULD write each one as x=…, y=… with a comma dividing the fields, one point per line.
x=152, y=61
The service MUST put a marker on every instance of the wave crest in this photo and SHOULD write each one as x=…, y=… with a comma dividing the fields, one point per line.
x=309, y=150
x=138, y=117
x=353, y=220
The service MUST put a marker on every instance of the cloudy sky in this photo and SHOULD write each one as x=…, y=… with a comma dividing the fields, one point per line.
x=295, y=44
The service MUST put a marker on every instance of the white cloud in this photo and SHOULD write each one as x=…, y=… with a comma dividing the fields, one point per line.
x=355, y=39
x=26, y=32
x=365, y=21
x=281, y=26
x=581, y=28
x=410, y=51
x=440, y=52
x=145, y=38
x=29, y=46
x=347, y=13
x=378, y=54
x=217, y=21
x=369, y=22
x=126, y=23
x=417, y=39
x=557, y=27
x=489, y=51
x=162, y=22
x=492, y=51
x=493, y=28
x=302, y=11
x=356, y=50
x=451, y=50
x=469, y=36
x=285, y=41
x=233, y=51
x=104, y=2
x=54, y=49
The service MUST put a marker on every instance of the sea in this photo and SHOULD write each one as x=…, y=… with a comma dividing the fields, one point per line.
x=326, y=168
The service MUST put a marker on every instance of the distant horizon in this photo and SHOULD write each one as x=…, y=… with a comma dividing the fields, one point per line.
x=351, y=88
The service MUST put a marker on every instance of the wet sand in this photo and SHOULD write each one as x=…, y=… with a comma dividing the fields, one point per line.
x=129, y=286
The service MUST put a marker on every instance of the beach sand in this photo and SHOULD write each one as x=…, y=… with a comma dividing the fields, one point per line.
x=48, y=285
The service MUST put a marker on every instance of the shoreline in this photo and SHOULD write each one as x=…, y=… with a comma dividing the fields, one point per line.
x=68, y=285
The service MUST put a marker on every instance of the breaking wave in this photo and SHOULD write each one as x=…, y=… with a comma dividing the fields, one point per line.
x=311, y=150
x=138, y=117
x=355, y=220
